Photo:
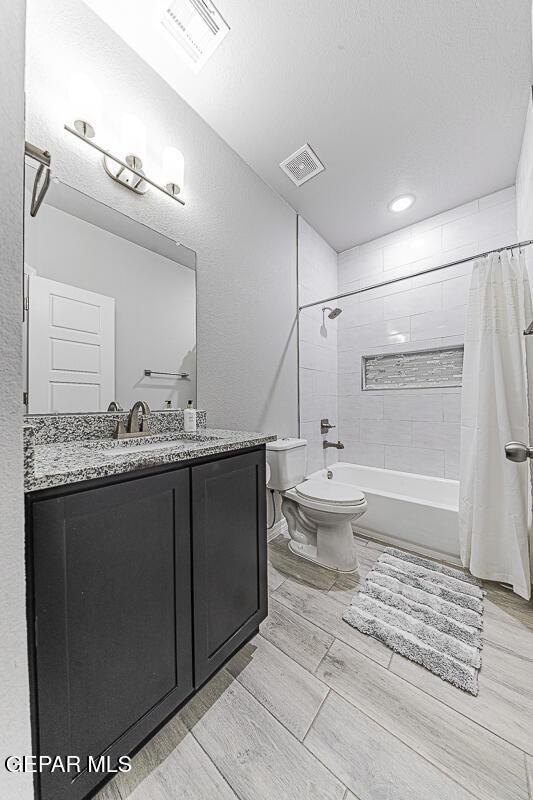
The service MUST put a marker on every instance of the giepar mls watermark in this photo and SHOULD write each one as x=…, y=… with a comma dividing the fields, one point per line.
x=67, y=764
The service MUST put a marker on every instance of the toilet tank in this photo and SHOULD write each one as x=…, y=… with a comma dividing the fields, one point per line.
x=287, y=459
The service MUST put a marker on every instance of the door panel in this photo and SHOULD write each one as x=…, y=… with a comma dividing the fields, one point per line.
x=229, y=557
x=71, y=348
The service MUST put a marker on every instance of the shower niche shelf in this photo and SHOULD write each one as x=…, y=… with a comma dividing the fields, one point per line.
x=435, y=368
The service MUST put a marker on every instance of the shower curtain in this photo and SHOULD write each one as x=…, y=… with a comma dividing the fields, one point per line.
x=495, y=494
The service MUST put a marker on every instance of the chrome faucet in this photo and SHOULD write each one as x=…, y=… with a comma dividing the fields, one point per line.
x=114, y=406
x=336, y=445
x=132, y=427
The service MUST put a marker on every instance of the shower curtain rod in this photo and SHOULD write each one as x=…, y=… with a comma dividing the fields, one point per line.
x=416, y=274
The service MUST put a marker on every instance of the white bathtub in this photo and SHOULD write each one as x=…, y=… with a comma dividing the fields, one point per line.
x=405, y=509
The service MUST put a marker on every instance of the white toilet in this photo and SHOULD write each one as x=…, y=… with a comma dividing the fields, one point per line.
x=319, y=511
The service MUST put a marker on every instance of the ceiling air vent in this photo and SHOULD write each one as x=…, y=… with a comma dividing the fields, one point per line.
x=303, y=165
x=197, y=28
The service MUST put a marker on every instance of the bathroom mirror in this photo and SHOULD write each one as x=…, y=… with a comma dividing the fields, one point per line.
x=110, y=308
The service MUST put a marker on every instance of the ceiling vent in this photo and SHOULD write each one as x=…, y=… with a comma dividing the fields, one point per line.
x=303, y=165
x=197, y=28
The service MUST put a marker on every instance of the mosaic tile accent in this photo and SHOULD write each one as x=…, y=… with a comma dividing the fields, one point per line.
x=417, y=369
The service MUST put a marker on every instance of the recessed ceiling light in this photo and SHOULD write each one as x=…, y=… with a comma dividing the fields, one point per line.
x=401, y=203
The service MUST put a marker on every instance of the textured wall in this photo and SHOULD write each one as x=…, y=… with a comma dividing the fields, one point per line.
x=14, y=699
x=415, y=430
x=244, y=234
x=317, y=278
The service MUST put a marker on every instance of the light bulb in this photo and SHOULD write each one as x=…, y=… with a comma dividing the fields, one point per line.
x=173, y=170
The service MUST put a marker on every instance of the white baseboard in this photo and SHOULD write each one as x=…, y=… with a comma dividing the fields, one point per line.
x=279, y=528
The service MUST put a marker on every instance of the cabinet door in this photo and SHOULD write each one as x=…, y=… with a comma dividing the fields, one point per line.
x=113, y=619
x=229, y=557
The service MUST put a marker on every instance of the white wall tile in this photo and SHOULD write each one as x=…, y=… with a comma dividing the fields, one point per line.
x=348, y=361
x=415, y=459
x=455, y=292
x=354, y=265
x=414, y=301
x=466, y=210
x=307, y=355
x=456, y=271
x=438, y=436
x=452, y=407
x=349, y=383
x=498, y=239
x=413, y=248
x=415, y=406
x=384, y=241
x=450, y=322
x=390, y=288
x=503, y=196
x=391, y=331
x=451, y=463
x=387, y=432
x=368, y=455
x=488, y=222
x=349, y=412
x=365, y=312
x=306, y=381
x=371, y=406
x=305, y=328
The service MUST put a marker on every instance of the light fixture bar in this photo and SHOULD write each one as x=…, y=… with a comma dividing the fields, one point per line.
x=123, y=164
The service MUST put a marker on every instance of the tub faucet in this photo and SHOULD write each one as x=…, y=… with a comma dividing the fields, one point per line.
x=336, y=445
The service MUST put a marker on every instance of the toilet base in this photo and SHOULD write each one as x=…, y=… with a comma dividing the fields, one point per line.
x=309, y=552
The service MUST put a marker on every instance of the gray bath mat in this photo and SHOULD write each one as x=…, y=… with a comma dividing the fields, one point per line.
x=428, y=612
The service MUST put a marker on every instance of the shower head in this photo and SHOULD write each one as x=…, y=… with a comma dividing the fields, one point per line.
x=333, y=312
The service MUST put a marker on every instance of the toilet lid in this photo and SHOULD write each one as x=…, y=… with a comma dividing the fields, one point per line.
x=330, y=492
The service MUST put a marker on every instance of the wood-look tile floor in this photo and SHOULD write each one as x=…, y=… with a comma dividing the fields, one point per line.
x=313, y=710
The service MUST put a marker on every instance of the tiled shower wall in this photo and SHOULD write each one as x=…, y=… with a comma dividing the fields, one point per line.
x=415, y=430
x=317, y=278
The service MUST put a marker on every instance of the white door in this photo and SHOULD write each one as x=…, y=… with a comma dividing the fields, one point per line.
x=71, y=348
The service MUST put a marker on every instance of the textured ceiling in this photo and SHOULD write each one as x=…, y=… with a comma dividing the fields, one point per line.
x=420, y=96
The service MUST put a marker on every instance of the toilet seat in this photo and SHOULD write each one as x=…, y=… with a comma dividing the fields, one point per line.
x=342, y=498
x=329, y=491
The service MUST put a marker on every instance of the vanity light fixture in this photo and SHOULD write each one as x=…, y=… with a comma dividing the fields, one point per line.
x=133, y=142
x=128, y=171
x=401, y=203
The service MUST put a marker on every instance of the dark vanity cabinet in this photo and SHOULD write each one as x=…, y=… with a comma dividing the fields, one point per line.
x=141, y=587
x=229, y=565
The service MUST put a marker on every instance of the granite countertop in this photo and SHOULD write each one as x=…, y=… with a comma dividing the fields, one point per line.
x=60, y=463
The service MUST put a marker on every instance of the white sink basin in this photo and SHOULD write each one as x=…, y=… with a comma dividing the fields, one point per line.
x=117, y=448
x=120, y=448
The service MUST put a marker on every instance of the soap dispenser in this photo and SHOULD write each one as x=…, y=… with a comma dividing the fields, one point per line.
x=189, y=418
